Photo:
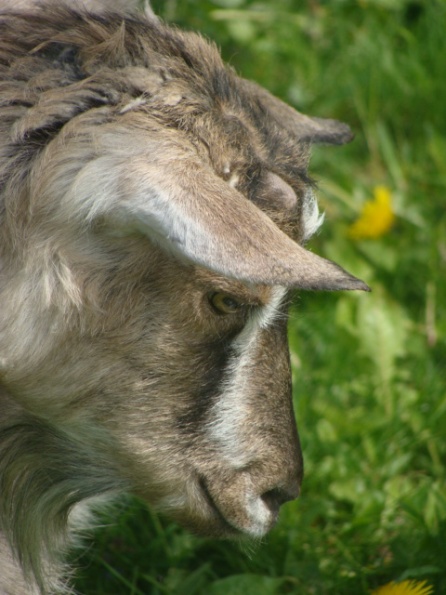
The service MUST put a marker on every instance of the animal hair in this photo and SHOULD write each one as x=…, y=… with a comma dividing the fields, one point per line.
x=153, y=211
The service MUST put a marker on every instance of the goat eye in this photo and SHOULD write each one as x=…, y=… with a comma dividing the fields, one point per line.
x=224, y=303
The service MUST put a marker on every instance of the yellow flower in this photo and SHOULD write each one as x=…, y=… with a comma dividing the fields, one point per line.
x=405, y=588
x=377, y=216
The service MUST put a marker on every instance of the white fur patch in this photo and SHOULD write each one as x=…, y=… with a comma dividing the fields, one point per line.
x=312, y=220
x=135, y=103
x=268, y=313
x=259, y=515
x=234, y=180
x=230, y=413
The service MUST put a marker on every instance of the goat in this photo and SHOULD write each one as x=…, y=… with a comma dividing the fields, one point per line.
x=153, y=211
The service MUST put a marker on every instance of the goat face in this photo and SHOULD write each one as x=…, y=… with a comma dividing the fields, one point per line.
x=153, y=207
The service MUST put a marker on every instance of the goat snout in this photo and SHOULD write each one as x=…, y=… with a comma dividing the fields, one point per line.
x=263, y=509
x=277, y=496
x=249, y=502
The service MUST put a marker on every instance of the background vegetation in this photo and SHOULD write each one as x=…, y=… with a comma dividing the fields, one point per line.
x=369, y=370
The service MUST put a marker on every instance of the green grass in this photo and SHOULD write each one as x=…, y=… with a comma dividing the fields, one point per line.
x=369, y=370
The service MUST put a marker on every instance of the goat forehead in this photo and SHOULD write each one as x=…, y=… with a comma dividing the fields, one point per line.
x=199, y=89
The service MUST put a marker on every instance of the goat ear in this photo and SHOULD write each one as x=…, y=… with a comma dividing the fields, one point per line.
x=306, y=128
x=188, y=210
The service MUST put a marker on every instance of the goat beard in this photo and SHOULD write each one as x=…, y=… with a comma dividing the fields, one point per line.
x=44, y=476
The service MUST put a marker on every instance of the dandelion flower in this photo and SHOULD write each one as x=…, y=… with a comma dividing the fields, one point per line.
x=377, y=216
x=405, y=588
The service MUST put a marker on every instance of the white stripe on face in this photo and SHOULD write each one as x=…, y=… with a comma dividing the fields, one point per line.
x=230, y=415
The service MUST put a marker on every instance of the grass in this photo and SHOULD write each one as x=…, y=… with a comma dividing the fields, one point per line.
x=369, y=370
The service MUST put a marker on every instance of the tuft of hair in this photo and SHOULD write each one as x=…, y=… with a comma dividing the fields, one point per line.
x=97, y=6
x=44, y=475
x=312, y=219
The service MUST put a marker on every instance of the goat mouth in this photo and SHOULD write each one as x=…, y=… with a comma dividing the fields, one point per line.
x=226, y=527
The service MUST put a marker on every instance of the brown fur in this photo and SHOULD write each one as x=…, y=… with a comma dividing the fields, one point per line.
x=116, y=372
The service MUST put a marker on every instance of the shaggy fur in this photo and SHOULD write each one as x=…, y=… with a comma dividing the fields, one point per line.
x=151, y=202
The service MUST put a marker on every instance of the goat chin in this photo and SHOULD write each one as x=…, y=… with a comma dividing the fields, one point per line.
x=153, y=211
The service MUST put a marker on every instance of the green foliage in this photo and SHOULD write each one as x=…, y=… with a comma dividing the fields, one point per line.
x=369, y=370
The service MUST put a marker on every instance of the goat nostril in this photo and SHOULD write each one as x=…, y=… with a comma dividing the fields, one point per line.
x=276, y=497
